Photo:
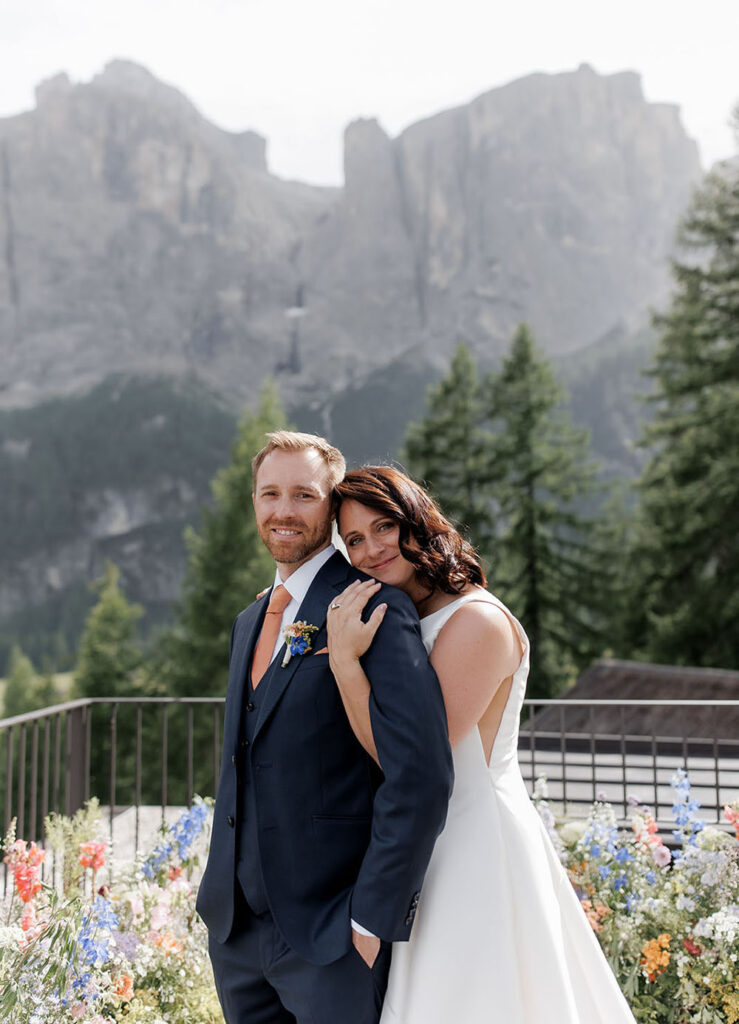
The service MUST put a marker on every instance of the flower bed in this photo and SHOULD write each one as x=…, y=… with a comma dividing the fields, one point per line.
x=668, y=920
x=135, y=951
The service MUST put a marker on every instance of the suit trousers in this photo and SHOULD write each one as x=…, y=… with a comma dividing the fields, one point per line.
x=260, y=980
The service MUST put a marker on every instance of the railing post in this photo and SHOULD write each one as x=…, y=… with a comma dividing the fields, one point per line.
x=74, y=796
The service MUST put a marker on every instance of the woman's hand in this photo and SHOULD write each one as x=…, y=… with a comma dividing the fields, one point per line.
x=348, y=636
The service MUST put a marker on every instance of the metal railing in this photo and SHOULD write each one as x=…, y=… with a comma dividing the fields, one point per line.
x=126, y=751
x=589, y=749
x=135, y=753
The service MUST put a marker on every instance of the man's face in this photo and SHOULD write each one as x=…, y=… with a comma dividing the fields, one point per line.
x=292, y=502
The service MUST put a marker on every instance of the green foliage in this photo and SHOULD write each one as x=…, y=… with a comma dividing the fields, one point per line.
x=448, y=448
x=502, y=456
x=110, y=663
x=688, y=549
x=19, y=684
x=227, y=567
x=548, y=569
x=64, y=837
x=109, y=654
x=24, y=689
x=60, y=461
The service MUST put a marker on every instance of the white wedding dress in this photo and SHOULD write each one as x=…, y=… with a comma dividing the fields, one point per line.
x=500, y=936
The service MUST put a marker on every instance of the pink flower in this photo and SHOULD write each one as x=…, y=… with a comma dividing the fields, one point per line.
x=28, y=920
x=661, y=856
x=159, y=916
x=731, y=813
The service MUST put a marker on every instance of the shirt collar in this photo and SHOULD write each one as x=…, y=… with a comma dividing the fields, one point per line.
x=298, y=582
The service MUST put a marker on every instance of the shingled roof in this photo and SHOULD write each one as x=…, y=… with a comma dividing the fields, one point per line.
x=608, y=679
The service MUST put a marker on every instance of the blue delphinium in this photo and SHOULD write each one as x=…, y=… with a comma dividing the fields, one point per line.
x=94, y=938
x=156, y=860
x=684, y=811
x=179, y=839
x=298, y=645
x=188, y=827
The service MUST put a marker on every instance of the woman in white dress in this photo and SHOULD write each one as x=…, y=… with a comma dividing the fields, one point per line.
x=499, y=936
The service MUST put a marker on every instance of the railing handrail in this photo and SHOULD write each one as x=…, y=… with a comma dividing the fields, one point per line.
x=86, y=702
x=83, y=702
x=579, y=702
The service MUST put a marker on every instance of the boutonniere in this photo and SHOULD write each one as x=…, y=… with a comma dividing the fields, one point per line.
x=297, y=638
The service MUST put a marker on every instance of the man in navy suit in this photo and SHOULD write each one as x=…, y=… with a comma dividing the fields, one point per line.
x=317, y=857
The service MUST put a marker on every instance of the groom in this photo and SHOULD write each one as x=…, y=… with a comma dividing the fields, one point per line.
x=317, y=857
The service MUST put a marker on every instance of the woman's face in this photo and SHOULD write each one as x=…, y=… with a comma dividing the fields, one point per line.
x=372, y=542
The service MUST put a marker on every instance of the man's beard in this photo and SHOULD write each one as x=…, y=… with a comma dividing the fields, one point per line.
x=289, y=552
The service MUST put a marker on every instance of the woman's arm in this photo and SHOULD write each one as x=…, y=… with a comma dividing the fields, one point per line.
x=348, y=639
x=476, y=650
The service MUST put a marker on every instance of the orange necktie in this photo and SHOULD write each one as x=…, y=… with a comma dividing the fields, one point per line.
x=278, y=602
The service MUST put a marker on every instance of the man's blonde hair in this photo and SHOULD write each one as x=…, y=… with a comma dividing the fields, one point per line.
x=294, y=441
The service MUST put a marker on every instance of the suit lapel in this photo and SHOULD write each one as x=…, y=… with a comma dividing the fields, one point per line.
x=330, y=579
x=243, y=649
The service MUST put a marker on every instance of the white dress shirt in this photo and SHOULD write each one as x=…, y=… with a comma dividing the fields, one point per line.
x=297, y=585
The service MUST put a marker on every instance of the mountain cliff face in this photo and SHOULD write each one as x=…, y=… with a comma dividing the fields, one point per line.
x=138, y=237
x=552, y=200
x=142, y=247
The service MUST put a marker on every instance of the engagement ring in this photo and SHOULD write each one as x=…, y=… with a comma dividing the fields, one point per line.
x=335, y=605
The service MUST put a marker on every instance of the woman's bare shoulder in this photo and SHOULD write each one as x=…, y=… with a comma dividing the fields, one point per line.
x=479, y=628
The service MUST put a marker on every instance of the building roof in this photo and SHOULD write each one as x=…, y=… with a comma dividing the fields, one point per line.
x=607, y=679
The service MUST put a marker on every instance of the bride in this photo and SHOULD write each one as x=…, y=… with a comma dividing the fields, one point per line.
x=499, y=934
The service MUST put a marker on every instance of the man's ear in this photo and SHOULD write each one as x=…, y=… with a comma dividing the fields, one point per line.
x=254, y=501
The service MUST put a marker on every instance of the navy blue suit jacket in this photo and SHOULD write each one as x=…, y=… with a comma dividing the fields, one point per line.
x=338, y=838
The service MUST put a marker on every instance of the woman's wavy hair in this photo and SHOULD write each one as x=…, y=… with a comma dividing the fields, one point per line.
x=443, y=560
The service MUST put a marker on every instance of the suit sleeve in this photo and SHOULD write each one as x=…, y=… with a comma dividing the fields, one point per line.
x=410, y=730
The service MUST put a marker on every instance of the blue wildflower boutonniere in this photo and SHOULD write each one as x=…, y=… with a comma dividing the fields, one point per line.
x=297, y=636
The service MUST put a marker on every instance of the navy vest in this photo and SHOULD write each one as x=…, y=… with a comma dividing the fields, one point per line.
x=249, y=864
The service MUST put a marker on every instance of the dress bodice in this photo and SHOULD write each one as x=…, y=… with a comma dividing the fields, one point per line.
x=505, y=747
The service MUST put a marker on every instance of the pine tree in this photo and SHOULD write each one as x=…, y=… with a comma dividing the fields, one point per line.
x=109, y=653
x=227, y=566
x=109, y=665
x=448, y=450
x=502, y=456
x=20, y=685
x=689, y=545
x=548, y=567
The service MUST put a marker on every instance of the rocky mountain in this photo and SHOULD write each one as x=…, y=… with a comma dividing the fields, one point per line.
x=153, y=272
x=136, y=236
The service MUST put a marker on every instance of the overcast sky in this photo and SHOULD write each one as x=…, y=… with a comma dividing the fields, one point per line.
x=298, y=71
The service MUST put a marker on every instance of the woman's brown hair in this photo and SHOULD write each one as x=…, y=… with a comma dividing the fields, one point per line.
x=443, y=560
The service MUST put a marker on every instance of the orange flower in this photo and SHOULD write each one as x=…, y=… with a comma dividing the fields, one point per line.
x=656, y=956
x=124, y=988
x=25, y=863
x=92, y=855
x=168, y=943
x=174, y=872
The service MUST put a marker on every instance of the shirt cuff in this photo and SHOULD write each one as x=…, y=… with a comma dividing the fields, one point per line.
x=361, y=930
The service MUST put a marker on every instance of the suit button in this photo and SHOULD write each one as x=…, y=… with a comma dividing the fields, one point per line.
x=244, y=744
x=250, y=706
x=230, y=821
x=233, y=758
